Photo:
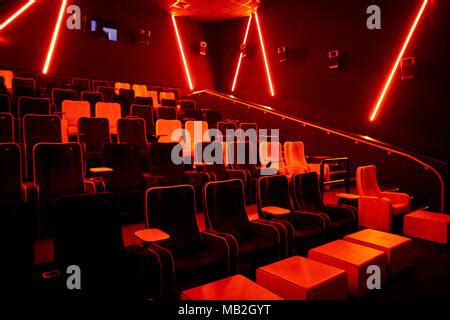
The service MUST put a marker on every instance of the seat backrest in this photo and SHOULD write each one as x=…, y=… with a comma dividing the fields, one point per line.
x=40, y=128
x=187, y=104
x=307, y=195
x=144, y=101
x=107, y=92
x=93, y=133
x=273, y=191
x=243, y=156
x=121, y=85
x=74, y=110
x=165, y=128
x=29, y=105
x=140, y=90
x=166, y=95
x=223, y=126
x=225, y=208
x=176, y=218
x=294, y=154
x=366, y=181
x=85, y=84
x=92, y=98
x=8, y=76
x=271, y=153
x=169, y=103
x=88, y=234
x=60, y=95
x=6, y=127
x=212, y=117
x=58, y=169
x=196, y=132
x=111, y=111
x=248, y=125
x=161, y=163
x=23, y=87
x=195, y=114
x=99, y=83
x=144, y=112
x=175, y=91
x=5, y=103
x=154, y=96
x=10, y=172
x=132, y=131
x=125, y=160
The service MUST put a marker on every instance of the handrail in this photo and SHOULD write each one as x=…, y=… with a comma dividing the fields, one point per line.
x=357, y=139
x=345, y=160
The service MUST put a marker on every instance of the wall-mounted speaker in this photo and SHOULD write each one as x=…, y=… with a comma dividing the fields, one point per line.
x=334, y=60
x=282, y=54
x=408, y=68
x=203, y=46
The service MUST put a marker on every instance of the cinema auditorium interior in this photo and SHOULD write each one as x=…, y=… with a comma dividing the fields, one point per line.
x=163, y=151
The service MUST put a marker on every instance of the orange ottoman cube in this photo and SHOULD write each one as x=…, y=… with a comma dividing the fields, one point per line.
x=298, y=278
x=232, y=288
x=427, y=226
x=354, y=259
x=398, y=249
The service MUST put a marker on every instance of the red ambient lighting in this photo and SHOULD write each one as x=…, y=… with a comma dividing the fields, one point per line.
x=378, y=106
x=241, y=55
x=16, y=14
x=51, y=49
x=266, y=63
x=180, y=45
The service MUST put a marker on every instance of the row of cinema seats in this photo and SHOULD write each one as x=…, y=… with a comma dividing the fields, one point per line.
x=71, y=110
x=26, y=85
x=94, y=133
x=86, y=225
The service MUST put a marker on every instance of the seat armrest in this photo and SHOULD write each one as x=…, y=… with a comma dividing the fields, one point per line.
x=151, y=271
x=286, y=231
x=338, y=211
x=375, y=213
x=309, y=218
x=215, y=239
x=264, y=230
x=397, y=196
x=275, y=211
x=152, y=235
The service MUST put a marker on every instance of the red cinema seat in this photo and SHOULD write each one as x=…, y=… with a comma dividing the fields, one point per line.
x=377, y=209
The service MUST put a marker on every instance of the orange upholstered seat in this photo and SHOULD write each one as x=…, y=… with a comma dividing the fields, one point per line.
x=298, y=278
x=354, y=259
x=396, y=248
x=377, y=208
x=233, y=288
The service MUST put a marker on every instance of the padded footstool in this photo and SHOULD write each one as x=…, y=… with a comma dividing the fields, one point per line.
x=232, y=288
x=354, y=259
x=427, y=226
x=398, y=249
x=298, y=278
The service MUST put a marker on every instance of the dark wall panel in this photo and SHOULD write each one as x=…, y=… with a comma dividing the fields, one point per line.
x=24, y=44
x=415, y=112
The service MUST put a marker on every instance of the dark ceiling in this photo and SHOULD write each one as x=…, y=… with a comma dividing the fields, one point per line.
x=205, y=10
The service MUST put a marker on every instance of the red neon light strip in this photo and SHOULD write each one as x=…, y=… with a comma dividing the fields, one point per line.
x=180, y=45
x=51, y=49
x=16, y=14
x=377, y=108
x=241, y=55
x=266, y=63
